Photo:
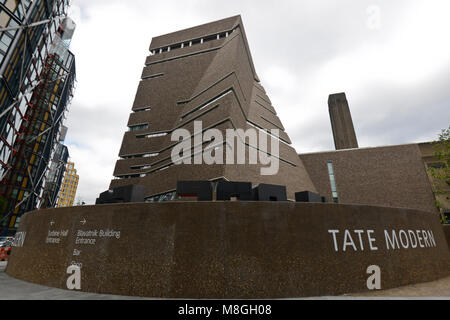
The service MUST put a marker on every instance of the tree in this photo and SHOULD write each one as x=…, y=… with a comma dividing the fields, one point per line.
x=441, y=172
x=80, y=202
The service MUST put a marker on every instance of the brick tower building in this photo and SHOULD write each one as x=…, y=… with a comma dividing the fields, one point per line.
x=206, y=74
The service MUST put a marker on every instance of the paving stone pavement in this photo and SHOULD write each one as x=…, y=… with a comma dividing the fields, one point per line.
x=439, y=289
x=13, y=289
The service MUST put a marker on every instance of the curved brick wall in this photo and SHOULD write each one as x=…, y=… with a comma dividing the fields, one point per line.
x=230, y=250
x=447, y=233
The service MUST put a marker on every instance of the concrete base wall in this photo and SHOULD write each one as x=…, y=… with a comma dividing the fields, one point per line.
x=229, y=249
x=447, y=233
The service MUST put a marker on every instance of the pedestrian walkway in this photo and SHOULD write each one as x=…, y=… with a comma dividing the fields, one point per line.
x=439, y=289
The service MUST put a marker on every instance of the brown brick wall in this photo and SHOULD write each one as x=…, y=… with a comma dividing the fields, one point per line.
x=392, y=176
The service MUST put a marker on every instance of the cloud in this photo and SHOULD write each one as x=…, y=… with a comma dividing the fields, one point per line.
x=94, y=138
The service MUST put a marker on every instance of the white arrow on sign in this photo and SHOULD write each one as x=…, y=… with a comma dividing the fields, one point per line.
x=83, y=221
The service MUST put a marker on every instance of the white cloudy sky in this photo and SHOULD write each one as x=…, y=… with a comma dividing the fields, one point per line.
x=392, y=58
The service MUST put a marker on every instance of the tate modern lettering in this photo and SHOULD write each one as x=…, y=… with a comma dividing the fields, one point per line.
x=360, y=240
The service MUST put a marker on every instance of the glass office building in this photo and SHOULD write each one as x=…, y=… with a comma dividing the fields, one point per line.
x=37, y=73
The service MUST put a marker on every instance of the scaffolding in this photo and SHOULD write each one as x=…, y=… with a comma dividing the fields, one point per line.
x=37, y=74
